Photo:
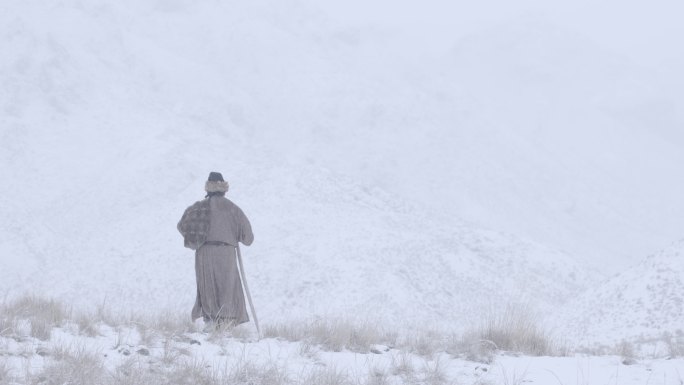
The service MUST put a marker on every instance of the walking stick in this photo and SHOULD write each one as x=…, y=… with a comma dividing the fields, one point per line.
x=249, y=296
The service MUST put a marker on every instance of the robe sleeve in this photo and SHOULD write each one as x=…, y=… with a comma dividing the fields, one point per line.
x=246, y=234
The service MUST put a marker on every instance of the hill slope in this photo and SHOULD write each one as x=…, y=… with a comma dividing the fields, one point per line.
x=642, y=302
x=324, y=246
x=113, y=114
x=525, y=127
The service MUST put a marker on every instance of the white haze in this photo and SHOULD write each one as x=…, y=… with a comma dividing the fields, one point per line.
x=588, y=97
x=560, y=123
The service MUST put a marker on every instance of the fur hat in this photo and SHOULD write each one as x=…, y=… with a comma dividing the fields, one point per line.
x=215, y=183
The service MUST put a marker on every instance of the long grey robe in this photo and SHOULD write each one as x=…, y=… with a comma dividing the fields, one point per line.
x=219, y=289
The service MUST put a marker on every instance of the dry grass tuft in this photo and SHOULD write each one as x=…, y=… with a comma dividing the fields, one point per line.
x=402, y=365
x=674, y=344
x=76, y=367
x=470, y=347
x=171, y=324
x=242, y=332
x=378, y=376
x=8, y=322
x=332, y=335
x=626, y=352
x=42, y=314
x=170, y=352
x=288, y=332
x=424, y=343
x=243, y=372
x=434, y=374
x=325, y=376
x=133, y=372
x=5, y=372
x=515, y=329
x=192, y=373
x=87, y=325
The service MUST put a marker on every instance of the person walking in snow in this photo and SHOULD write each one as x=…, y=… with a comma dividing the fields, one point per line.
x=213, y=227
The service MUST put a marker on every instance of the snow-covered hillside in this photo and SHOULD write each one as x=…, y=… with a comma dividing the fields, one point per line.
x=535, y=129
x=362, y=172
x=325, y=246
x=643, y=302
x=114, y=115
x=528, y=127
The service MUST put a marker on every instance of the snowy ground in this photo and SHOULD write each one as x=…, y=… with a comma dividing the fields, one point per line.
x=278, y=362
x=42, y=343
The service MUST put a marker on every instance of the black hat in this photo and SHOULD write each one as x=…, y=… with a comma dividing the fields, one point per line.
x=215, y=177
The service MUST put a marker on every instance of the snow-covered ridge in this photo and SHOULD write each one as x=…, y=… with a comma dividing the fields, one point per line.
x=527, y=127
x=325, y=246
x=113, y=115
x=641, y=303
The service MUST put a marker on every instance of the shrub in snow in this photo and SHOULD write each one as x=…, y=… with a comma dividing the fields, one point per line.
x=42, y=314
x=87, y=325
x=377, y=376
x=515, y=329
x=190, y=373
x=402, y=365
x=76, y=367
x=433, y=373
x=424, y=343
x=326, y=376
x=674, y=343
x=4, y=373
x=332, y=335
x=626, y=352
x=244, y=372
x=471, y=347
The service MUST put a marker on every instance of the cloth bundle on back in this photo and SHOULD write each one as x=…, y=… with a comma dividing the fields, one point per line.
x=214, y=227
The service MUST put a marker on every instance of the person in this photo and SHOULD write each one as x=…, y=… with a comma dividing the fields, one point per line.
x=214, y=226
